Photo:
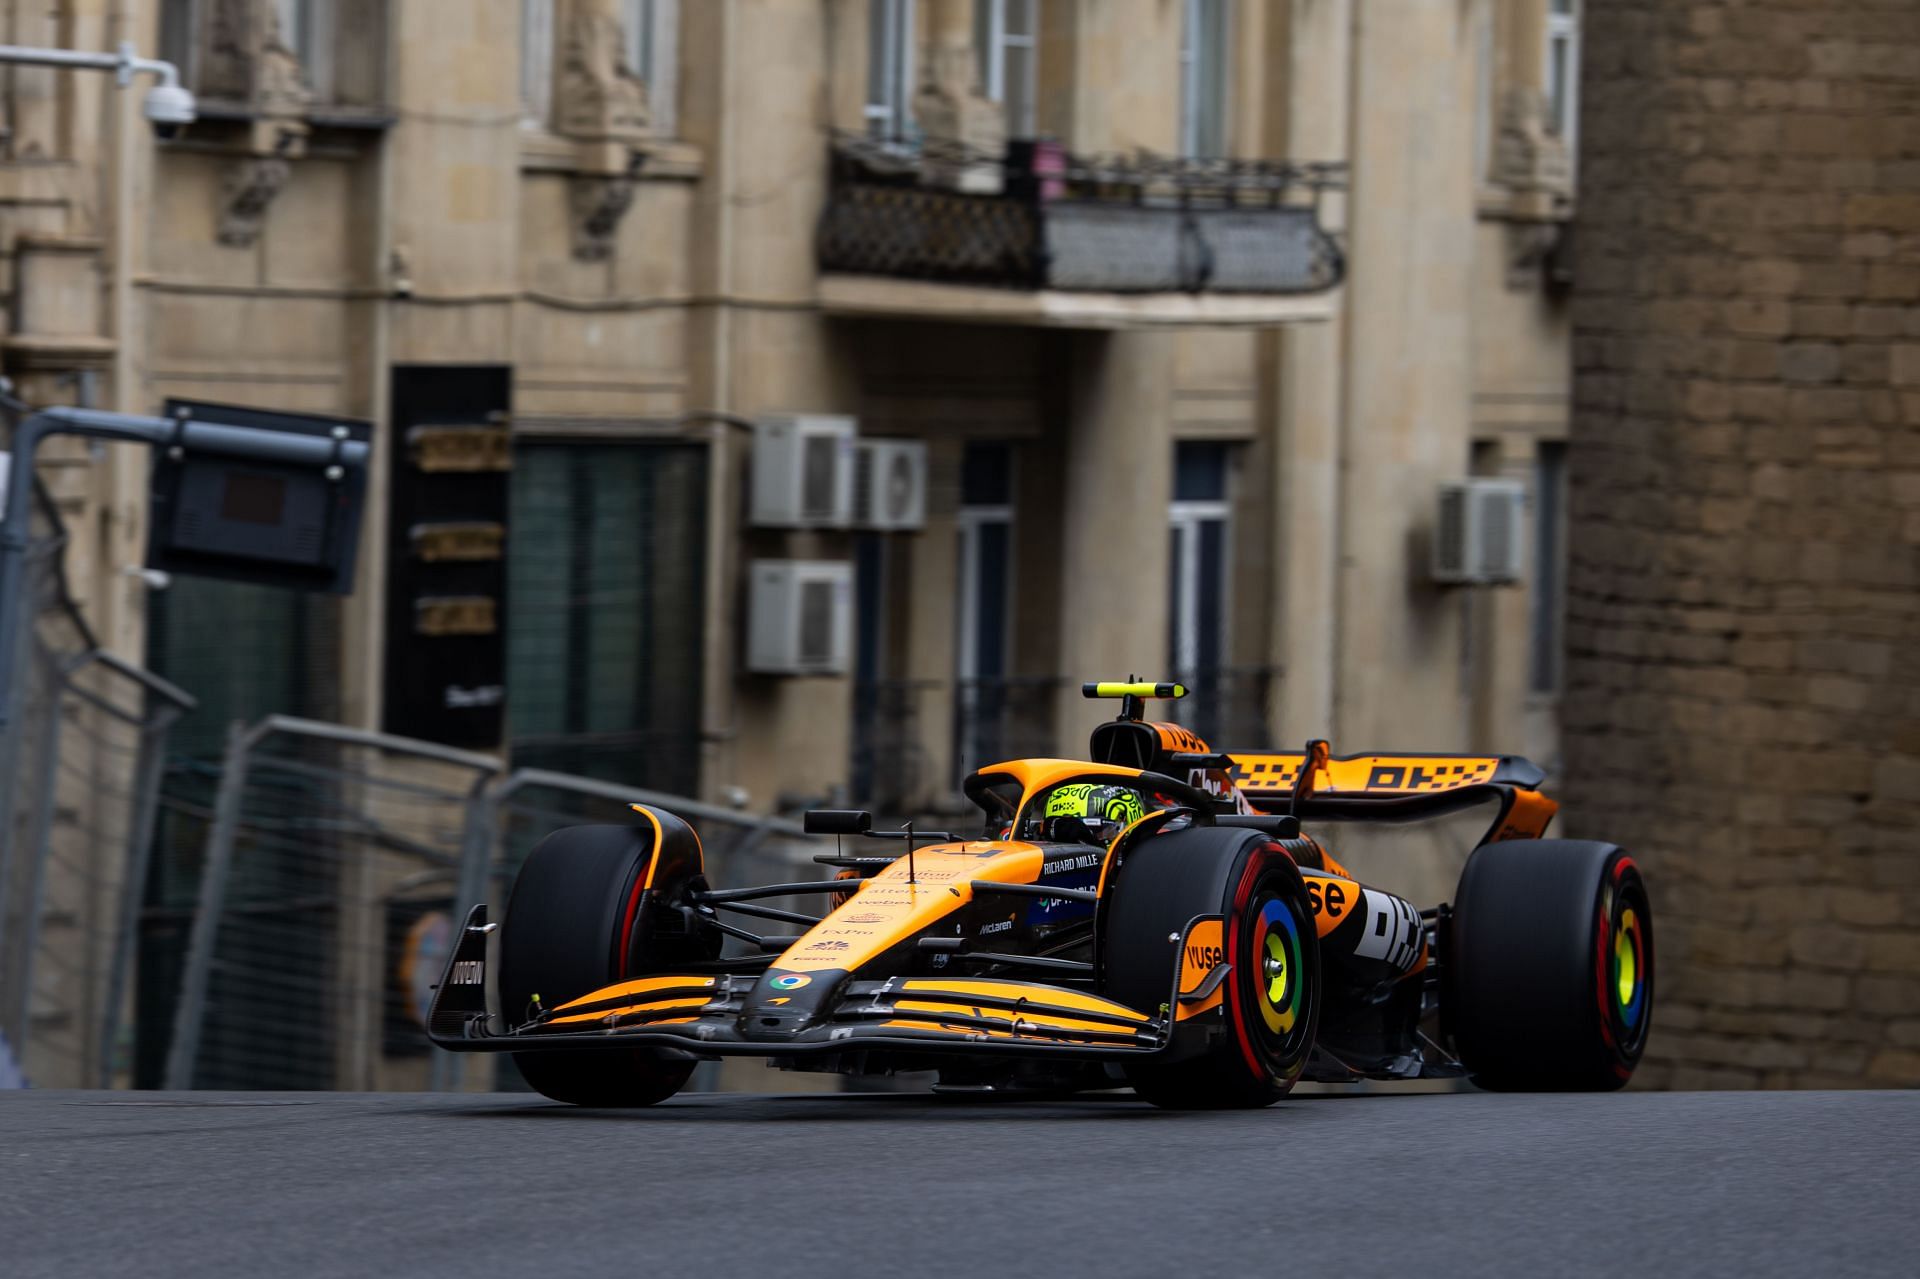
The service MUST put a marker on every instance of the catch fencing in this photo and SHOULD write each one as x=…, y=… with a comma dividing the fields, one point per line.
x=337, y=865
x=80, y=762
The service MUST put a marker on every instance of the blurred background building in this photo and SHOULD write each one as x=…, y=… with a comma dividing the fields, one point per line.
x=1183, y=313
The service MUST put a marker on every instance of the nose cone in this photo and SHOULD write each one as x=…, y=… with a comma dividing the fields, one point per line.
x=785, y=1003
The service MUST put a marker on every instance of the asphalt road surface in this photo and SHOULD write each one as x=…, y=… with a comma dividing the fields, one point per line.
x=156, y=1184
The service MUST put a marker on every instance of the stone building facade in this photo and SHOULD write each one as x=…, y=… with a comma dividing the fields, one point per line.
x=1743, y=704
x=604, y=215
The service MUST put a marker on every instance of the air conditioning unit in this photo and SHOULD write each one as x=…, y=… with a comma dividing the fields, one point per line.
x=889, y=484
x=802, y=471
x=1480, y=536
x=799, y=616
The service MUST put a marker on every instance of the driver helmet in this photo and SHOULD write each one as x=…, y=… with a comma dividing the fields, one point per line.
x=1089, y=814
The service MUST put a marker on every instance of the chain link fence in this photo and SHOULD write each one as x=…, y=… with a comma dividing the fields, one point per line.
x=337, y=864
x=79, y=772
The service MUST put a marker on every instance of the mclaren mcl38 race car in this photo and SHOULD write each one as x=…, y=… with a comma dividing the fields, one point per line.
x=1158, y=916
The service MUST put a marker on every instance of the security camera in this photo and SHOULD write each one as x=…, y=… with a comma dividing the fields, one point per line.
x=168, y=108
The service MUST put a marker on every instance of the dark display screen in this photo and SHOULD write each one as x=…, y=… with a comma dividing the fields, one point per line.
x=254, y=498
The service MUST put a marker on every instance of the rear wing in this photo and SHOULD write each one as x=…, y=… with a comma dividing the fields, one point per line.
x=1395, y=788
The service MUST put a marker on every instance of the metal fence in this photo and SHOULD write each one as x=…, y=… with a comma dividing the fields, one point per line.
x=1128, y=224
x=1003, y=718
x=336, y=866
x=80, y=760
x=1229, y=706
x=891, y=772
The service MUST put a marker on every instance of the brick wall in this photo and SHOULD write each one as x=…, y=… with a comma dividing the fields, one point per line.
x=1743, y=700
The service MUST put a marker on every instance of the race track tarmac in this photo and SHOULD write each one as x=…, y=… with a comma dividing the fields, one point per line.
x=156, y=1184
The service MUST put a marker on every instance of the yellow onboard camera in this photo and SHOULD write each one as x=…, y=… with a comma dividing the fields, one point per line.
x=1112, y=688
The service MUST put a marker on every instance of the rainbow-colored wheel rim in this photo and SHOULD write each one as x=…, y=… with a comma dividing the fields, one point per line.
x=1275, y=958
x=1629, y=986
x=1624, y=971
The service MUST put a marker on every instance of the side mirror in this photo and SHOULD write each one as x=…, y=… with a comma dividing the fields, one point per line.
x=836, y=821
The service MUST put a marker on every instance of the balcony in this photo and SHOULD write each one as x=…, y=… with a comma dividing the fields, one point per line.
x=1082, y=242
x=890, y=771
x=1003, y=718
x=1227, y=706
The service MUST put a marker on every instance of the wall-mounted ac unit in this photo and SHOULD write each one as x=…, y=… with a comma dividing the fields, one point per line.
x=1480, y=536
x=889, y=484
x=799, y=616
x=802, y=471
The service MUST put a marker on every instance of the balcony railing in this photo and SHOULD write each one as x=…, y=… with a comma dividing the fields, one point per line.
x=891, y=773
x=1137, y=224
x=1000, y=719
x=1227, y=705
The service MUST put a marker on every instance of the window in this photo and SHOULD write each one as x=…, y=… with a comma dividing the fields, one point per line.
x=536, y=61
x=1005, y=33
x=1547, y=601
x=1197, y=584
x=605, y=582
x=650, y=35
x=1203, y=78
x=213, y=61
x=985, y=706
x=1563, y=69
x=890, y=69
x=986, y=578
x=295, y=18
x=652, y=30
x=636, y=24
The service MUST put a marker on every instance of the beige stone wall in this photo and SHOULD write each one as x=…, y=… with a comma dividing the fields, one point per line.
x=1744, y=686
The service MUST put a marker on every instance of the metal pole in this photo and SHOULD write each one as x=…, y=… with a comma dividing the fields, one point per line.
x=125, y=61
x=38, y=846
x=679, y=805
x=13, y=677
x=146, y=809
x=190, y=1012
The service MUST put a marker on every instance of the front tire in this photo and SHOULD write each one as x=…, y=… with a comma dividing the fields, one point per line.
x=1547, y=983
x=594, y=905
x=1270, y=995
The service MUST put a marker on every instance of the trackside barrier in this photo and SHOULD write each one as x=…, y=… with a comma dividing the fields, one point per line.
x=323, y=840
x=80, y=762
x=337, y=863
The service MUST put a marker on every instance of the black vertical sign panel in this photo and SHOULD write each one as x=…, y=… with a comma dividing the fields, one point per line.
x=446, y=554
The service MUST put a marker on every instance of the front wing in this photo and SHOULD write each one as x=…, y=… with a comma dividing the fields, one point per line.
x=702, y=1014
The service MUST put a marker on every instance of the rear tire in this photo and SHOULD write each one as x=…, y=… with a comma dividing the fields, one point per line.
x=583, y=915
x=1271, y=994
x=1547, y=981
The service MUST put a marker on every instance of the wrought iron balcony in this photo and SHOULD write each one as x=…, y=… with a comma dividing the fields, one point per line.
x=890, y=771
x=1227, y=705
x=1002, y=718
x=1124, y=225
